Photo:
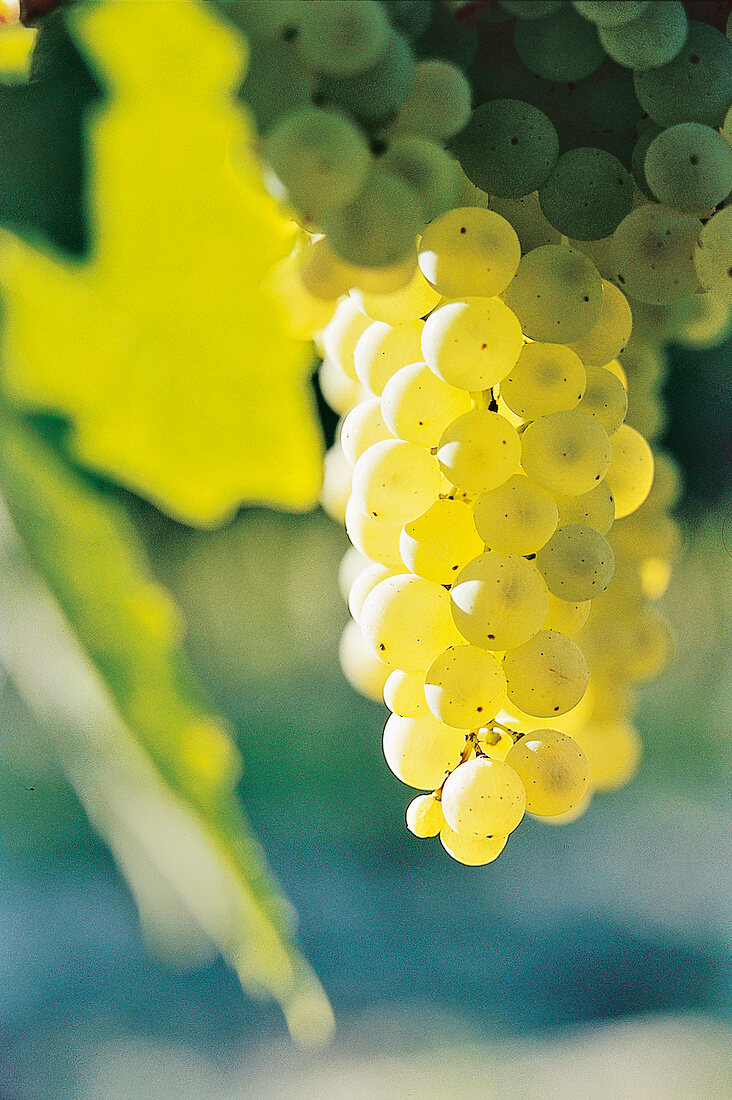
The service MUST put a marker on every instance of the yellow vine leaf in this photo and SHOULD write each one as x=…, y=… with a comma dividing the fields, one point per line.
x=165, y=349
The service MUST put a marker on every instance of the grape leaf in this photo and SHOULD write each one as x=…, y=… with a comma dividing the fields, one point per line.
x=154, y=769
x=164, y=348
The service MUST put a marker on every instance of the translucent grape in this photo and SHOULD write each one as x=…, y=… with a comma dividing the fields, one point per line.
x=320, y=157
x=610, y=13
x=421, y=751
x=406, y=621
x=613, y=751
x=427, y=168
x=565, y=616
x=610, y=335
x=404, y=693
x=546, y=676
x=342, y=38
x=376, y=92
x=366, y=580
x=556, y=294
x=653, y=254
x=373, y=538
x=651, y=39
x=482, y=798
x=342, y=333
x=438, y=105
x=516, y=518
x=408, y=304
x=424, y=816
x=479, y=451
x=577, y=563
x=499, y=601
x=553, y=769
x=472, y=851
x=561, y=47
x=473, y=343
x=547, y=378
x=566, y=452
x=275, y=83
x=338, y=390
x=469, y=251
x=383, y=349
x=465, y=687
x=713, y=255
x=364, y=672
x=689, y=167
x=595, y=509
x=378, y=228
x=437, y=544
x=508, y=148
x=418, y=406
x=605, y=398
x=587, y=194
x=696, y=86
x=630, y=474
x=362, y=427
x=395, y=481
x=323, y=274
x=352, y=563
x=336, y=484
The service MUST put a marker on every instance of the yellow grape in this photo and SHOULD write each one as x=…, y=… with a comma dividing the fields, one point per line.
x=342, y=333
x=362, y=584
x=437, y=544
x=472, y=851
x=611, y=333
x=469, y=251
x=465, y=687
x=409, y=303
x=566, y=452
x=404, y=693
x=605, y=398
x=565, y=616
x=395, y=481
x=418, y=406
x=362, y=427
x=374, y=538
x=595, y=509
x=483, y=797
x=577, y=563
x=421, y=751
x=499, y=601
x=479, y=451
x=547, y=378
x=406, y=620
x=546, y=676
x=382, y=350
x=363, y=670
x=472, y=343
x=554, y=771
x=613, y=751
x=630, y=474
x=424, y=816
x=518, y=517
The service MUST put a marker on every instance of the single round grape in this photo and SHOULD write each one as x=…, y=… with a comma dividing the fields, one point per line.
x=437, y=544
x=418, y=406
x=613, y=751
x=577, y=563
x=547, y=378
x=516, y=518
x=561, y=47
x=338, y=390
x=565, y=452
x=610, y=13
x=362, y=427
x=424, y=816
x=337, y=485
x=469, y=251
x=406, y=621
x=527, y=218
x=556, y=294
x=364, y=671
x=713, y=255
x=595, y=509
x=394, y=481
x=553, y=769
x=409, y=303
x=630, y=474
x=465, y=687
x=374, y=93
x=499, y=601
x=374, y=538
x=404, y=693
x=471, y=851
x=587, y=194
x=383, y=349
x=531, y=9
x=696, y=86
x=427, y=168
x=479, y=451
x=653, y=254
x=654, y=38
x=378, y=228
x=473, y=343
x=367, y=580
x=342, y=38
x=421, y=751
x=320, y=157
x=275, y=83
x=605, y=398
x=508, y=148
x=438, y=105
x=565, y=616
x=546, y=676
x=610, y=335
x=483, y=797
x=689, y=167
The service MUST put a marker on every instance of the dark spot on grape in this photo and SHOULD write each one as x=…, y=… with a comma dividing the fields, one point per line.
x=480, y=710
x=694, y=160
x=483, y=347
x=463, y=229
x=585, y=299
x=694, y=59
x=514, y=141
x=378, y=146
x=382, y=647
x=556, y=708
x=289, y=34
x=492, y=637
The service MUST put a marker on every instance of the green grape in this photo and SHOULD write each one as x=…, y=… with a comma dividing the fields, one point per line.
x=342, y=38
x=689, y=167
x=265, y=19
x=438, y=106
x=342, y=333
x=565, y=452
x=382, y=350
x=471, y=851
x=479, y=451
x=565, y=616
x=605, y=398
x=713, y=255
x=376, y=92
x=708, y=321
x=587, y=194
x=362, y=427
x=424, y=816
x=379, y=227
x=499, y=601
x=556, y=294
x=644, y=365
x=373, y=538
x=610, y=13
x=561, y=47
x=321, y=272
x=613, y=751
x=446, y=37
x=516, y=518
x=546, y=676
x=696, y=86
x=508, y=148
x=338, y=390
x=646, y=413
x=483, y=798
x=547, y=378
x=395, y=481
x=611, y=334
x=337, y=485
x=554, y=771
x=352, y=564
x=320, y=157
x=275, y=83
x=427, y=168
x=577, y=563
x=595, y=509
x=653, y=254
x=418, y=406
x=411, y=17
x=469, y=251
x=630, y=474
x=404, y=693
x=406, y=621
x=465, y=687
x=473, y=343
x=421, y=751
x=364, y=672
x=411, y=302
x=527, y=218
x=440, y=542
x=531, y=9
x=366, y=580
x=651, y=39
